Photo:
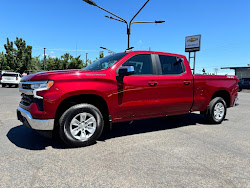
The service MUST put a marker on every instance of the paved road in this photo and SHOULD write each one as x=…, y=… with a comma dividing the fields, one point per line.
x=180, y=151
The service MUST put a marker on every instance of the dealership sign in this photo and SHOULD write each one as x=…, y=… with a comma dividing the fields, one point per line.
x=192, y=43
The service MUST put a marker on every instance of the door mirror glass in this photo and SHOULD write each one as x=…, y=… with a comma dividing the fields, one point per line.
x=126, y=70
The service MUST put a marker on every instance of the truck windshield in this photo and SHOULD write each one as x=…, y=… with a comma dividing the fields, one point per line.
x=105, y=62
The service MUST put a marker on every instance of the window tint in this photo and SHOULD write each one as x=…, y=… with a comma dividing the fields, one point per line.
x=142, y=64
x=10, y=75
x=171, y=65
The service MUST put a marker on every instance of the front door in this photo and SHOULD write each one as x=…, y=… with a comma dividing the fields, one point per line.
x=137, y=95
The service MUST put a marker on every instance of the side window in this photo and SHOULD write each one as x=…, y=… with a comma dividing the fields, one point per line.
x=171, y=65
x=142, y=64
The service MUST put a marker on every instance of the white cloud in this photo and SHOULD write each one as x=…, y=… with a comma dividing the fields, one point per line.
x=140, y=42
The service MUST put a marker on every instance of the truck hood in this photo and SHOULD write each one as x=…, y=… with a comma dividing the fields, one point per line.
x=48, y=74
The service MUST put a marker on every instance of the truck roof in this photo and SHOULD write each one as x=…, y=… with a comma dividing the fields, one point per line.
x=156, y=52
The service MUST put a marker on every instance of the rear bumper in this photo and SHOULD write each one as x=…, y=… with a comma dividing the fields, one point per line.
x=38, y=124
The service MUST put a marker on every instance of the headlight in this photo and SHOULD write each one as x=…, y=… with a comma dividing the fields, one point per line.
x=39, y=86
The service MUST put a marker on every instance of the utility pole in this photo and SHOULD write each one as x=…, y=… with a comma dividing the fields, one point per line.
x=44, y=59
x=86, y=59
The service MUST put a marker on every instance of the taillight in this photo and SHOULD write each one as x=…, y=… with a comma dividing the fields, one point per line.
x=16, y=78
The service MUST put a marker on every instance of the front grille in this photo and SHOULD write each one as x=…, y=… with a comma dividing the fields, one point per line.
x=26, y=86
x=29, y=99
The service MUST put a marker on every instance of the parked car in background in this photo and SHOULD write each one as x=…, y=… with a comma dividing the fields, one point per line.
x=11, y=78
x=244, y=83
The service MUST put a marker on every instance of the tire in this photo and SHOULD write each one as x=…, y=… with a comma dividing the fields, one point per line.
x=216, y=111
x=239, y=90
x=16, y=86
x=81, y=125
x=3, y=85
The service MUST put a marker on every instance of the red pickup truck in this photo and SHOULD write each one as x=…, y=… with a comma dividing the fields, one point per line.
x=79, y=104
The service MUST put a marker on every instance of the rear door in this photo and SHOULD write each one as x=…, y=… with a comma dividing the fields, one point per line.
x=138, y=94
x=175, y=85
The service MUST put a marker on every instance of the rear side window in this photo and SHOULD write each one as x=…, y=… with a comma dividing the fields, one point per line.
x=10, y=75
x=142, y=64
x=171, y=65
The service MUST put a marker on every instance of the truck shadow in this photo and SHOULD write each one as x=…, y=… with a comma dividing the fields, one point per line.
x=154, y=124
x=27, y=138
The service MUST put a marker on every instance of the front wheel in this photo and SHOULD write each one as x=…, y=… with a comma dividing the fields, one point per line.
x=217, y=110
x=3, y=85
x=81, y=125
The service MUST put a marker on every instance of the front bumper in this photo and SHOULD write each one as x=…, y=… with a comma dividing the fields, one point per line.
x=235, y=101
x=38, y=124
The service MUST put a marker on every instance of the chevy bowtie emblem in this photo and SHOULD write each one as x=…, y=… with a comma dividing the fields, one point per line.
x=192, y=39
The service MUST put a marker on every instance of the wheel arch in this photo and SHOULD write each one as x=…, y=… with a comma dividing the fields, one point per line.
x=223, y=94
x=93, y=99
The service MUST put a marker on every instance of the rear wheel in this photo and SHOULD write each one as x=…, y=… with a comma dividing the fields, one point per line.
x=81, y=125
x=216, y=111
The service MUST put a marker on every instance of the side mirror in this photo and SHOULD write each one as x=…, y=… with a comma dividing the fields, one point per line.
x=126, y=70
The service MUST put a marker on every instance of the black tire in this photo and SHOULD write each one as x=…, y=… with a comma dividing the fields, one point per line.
x=16, y=86
x=210, y=114
x=239, y=90
x=3, y=85
x=65, y=125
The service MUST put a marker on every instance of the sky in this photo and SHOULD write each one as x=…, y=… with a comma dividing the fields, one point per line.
x=76, y=27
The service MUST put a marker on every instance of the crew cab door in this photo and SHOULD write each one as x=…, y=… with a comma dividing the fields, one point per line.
x=175, y=85
x=137, y=95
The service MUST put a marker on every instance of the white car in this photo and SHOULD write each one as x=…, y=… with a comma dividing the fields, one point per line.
x=11, y=78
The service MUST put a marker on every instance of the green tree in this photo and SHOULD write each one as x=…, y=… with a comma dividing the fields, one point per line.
x=23, y=56
x=20, y=58
x=10, y=55
x=76, y=63
x=3, y=62
x=65, y=60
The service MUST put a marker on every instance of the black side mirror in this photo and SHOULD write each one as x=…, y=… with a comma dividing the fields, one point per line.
x=126, y=70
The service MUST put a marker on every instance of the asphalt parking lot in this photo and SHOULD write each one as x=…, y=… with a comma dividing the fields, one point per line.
x=181, y=151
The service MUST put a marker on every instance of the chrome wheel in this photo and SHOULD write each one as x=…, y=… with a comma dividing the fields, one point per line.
x=219, y=111
x=83, y=126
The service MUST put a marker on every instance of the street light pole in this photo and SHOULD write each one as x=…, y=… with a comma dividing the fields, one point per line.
x=110, y=51
x=123, y=20
x=44, y=59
